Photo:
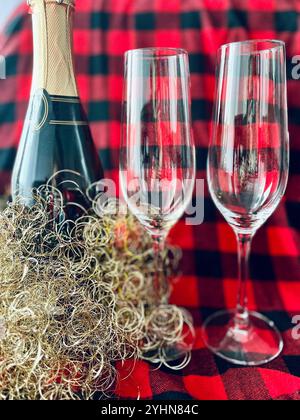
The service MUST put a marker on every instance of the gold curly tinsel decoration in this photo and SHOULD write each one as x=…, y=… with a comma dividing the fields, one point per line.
x=75, y=298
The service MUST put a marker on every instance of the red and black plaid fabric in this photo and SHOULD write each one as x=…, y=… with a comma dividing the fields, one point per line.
x=104, y=30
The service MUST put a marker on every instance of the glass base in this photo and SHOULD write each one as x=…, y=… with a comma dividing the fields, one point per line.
x=255, y=345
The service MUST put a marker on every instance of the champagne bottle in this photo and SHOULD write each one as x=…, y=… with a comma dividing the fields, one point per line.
x=56, y=137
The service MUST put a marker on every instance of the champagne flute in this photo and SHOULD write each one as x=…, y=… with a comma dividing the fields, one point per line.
x=247, y=175
x=157, y=161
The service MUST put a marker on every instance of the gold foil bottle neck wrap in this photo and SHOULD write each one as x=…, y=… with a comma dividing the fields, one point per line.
x=53, y=68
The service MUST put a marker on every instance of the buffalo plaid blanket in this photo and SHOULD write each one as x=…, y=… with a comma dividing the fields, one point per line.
x=104, y=30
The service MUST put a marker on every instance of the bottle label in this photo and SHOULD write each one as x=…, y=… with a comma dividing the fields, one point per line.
x=55, y=110
x=56, y=139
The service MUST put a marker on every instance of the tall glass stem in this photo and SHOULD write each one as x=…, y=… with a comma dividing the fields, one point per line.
x=244, y=247
x=159, y=274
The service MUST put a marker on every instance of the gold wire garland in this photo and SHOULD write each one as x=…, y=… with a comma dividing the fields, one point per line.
x=75, y=298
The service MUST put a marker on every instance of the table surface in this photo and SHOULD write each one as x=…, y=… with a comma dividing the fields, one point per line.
x=103, y=31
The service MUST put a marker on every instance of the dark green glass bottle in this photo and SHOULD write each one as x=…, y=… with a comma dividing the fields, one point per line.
x=56, y=136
